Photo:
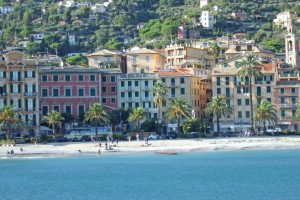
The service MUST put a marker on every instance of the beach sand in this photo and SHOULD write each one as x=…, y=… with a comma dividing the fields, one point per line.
x=157, y=146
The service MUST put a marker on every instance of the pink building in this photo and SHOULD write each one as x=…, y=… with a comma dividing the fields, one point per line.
x=70, y=89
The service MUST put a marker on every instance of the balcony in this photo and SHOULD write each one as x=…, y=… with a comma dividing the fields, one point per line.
x=146, y=99
x=139, y=76
x=109, y=65
x=284, y=105
x=3, y=95
x=129, y=88
x=30, y=94
x=172, y=96
x=130, y=99
x=237, y=83
x=13, y=79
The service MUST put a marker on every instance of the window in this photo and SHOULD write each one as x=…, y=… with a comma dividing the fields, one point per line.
x=92, y=78
x=218, y=90
x=67, y=78
x=80, y=109
x=44, y=78
x=67, y=92
x=55, y=92
x=112, y=79
x=146, y=93
x=44, y=92
x=258, y=90
x=294, y=101
x=239, y=102
x=282, y=100
x=147, y=59
x=268, y=89
x=122, y=94
x=227, y=80
x=181, y=80
x=113, y=89
x=81, y=92
x=227, y=92
x=113, y=100
x=269, y=99
x=103, y=79
x=136, y=83
x=15, y=88
x=282, y=114
x=134, y=59
x=103, y=89
x=247, y=102
x=80, y=77
x=92, y=92
x=294, y=114
x=163, y=80
x=247, y=114
x=2, y=74
x=282, y=90
x=68, y=109
x=239, y=90
x=218, y=81
x=103, y=100
x=129, y=83
x=182, y=91
x=95, y=60
x=240, y=114
x=56, y=108
x=123, y=105
x=146, y=83
x=45, y=110
x=293, y=90
x=136, y=94
x=29, y=74
x=122, y=84
x=173, y=92
x=55, y=78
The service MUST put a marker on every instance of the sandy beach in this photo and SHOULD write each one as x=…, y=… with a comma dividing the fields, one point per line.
x=157, y=146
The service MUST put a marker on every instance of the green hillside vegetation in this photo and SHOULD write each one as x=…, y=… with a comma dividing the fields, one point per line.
x=116, y=28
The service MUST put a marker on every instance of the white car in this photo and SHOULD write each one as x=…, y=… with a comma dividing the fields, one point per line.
x=153, y=136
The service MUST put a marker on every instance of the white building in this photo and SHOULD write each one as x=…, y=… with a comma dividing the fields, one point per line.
x=72, y=40
x=207, y=19
x=203, y=3
x=283, y=18
x=6, y=9
x=70, y=4
x=38, y=36
x=98, y=8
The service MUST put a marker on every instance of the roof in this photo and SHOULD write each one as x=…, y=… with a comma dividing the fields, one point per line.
x=142, y=51
x=172, y=72
x=103, y=52
x=268, y=66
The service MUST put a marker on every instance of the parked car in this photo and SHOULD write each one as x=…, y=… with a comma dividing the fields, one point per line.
x=192, y=135
x=171, y=135
x=19, y=140
x=86, y=138
x=229, y=134
x=62, y=139
x=153, y=136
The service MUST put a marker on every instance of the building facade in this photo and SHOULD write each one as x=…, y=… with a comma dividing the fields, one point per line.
x=207, y=19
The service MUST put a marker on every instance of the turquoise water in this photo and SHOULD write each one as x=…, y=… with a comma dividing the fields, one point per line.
x=211, y=175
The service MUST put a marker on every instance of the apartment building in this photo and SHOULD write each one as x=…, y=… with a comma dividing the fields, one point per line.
x=19, y=86
x=185, y=56
x=135, y=91
x=207, y=19
x=226, y=82
x=182, y=84
x=282, y=19
x=144, y=61
x=69, y=89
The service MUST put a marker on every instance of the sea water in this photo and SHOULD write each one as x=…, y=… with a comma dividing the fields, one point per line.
x=232, y=175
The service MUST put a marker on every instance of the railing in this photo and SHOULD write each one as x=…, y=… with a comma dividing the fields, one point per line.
x=3, y=95
x=284, y=105
x=172, y=96
x=30, y=94
x=137, y=75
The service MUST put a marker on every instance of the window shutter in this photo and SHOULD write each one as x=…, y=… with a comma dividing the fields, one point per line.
x=33, y=103
x=26, y=74
x=34, y=120
x=5, y=102
x=19, y=88
x=4, y=89
x=33, y=74
x=4, y=74
x=11, y=76
x=19, y=76
x=20, y=106
x=26, y=118
x=33, y=88
x=26, y=104
x=26, y=88
x=11, y=88
x=11, y=102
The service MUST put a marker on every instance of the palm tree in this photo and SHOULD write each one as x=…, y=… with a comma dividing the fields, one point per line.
x=136, y=116
x=214, y=50
x=204, y=124
x=160, y=91
x=54, y=119
x=178, y=108
x=266, y=112
x=218, y=107
x=248, y=68
x=10, y=118
x=95, y=114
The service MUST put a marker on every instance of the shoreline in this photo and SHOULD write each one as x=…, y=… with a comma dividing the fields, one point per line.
x=172, y=147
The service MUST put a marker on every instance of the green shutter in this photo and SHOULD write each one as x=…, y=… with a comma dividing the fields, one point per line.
x=19, y=76
x=33, y=74
x=33, y=88
x=26, y=89
x=4, y=74
x=34, y=104
x=19, y=88
x=26, y=74
x=4, y=89
x=26, y=118
x=34, y=120
x=11, y=102
x=20, y=106
x=26, y=104
x=5, y=102
x=11, y=76
x=11, y=88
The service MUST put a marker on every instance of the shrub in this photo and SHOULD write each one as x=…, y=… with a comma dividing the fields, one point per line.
x=216, y=134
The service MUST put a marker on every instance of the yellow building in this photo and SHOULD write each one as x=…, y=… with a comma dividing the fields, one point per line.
x=19, y=86
x=182, y=84
x=144, y=61
x=184, y=56
x=226, y=82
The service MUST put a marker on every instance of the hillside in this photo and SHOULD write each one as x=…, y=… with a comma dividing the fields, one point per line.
x=56, y=26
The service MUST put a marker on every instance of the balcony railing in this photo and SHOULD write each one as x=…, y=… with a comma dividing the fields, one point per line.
x=284, y=105
x=3, y=95
x=27, y=94
x=138, y=76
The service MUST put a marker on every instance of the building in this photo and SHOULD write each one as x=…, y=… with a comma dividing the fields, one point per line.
x=182, y=32
x=135, y=91
x=6, y=9
x=19, y=86
x=98, y=8
x=203, y=3
x=226, y=82
x=207, y=20
x=292, y=55
x=69, y=89
x=186, y=56
x=144, y=61
x=282, y=19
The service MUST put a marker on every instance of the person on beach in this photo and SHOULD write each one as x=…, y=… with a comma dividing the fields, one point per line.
x=12, y=151
x=106, y=145
x=137, y=136
x=21, y=149
x=99, y=152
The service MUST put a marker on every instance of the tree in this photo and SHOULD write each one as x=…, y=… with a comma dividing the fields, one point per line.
x=32, y=47
x=55, y=46
x=160, y=91
x=191, y=125
x=67, y=15
x=77, y=60
x=54, y=120
x=136, y=116
x=95, y=114
x=10, y=119
x=214, y=50
x=248, y=68
x=266, y=112
x=218, y=107
x=177, y=109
